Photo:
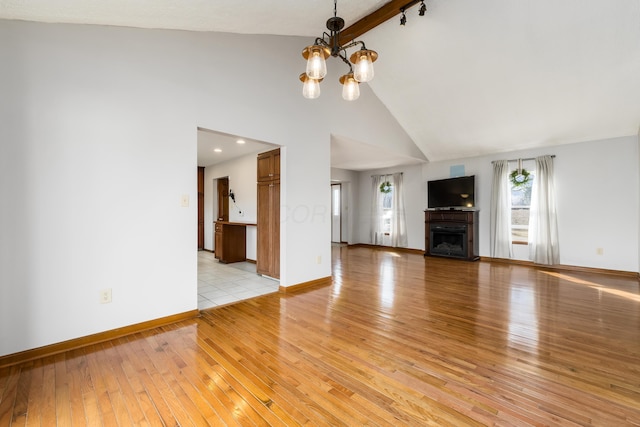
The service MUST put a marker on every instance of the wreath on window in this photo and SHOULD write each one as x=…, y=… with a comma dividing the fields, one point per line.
x=385, y=187
x=520, y=178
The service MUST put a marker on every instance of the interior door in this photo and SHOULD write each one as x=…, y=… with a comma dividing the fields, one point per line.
x=223, y=199
x=336, y=213
x=200, y=207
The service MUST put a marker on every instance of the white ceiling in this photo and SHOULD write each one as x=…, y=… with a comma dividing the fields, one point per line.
x=358, y=156
x=284, y=17
x=469, y=78
x=209, y=141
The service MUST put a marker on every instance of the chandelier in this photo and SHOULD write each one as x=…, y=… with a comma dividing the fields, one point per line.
x=329, y=45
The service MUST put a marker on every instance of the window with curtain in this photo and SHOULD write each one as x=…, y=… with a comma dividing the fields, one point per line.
x=521, y=204
x=388, y=223
x=525, y=213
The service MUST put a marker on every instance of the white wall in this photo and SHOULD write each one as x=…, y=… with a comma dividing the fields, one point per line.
x=98, y=131
x=414, y=209
x=243, y=176
x=597, y=190
x=597, y=184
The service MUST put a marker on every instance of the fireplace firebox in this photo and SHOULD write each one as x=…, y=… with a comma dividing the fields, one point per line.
x=451, y=233
x=448, y=240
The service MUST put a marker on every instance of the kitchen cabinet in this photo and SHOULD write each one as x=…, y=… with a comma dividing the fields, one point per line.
x=268, y=244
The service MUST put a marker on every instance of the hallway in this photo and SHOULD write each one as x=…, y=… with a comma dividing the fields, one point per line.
x=221, y=284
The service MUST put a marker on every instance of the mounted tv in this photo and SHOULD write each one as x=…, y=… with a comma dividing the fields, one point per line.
x=452, y=193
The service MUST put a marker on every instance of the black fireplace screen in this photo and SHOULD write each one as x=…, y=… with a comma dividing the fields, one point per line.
x=448, y=240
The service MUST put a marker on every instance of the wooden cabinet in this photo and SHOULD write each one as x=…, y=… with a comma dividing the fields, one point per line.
x=268, y=254
x=230, y=242
x=451, y=233
x=269, y=166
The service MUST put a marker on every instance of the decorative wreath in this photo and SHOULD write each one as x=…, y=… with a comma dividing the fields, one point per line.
x=385, y=187
x=520, y=178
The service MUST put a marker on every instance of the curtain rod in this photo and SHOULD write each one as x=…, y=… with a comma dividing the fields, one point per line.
x=528, y=158
x=387, y=174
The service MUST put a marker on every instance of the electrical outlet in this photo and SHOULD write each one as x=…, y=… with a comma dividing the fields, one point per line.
x=599, y=251
x=105, y=296
x=318, y=259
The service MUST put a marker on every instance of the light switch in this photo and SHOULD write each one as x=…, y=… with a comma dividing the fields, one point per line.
x=184, y=201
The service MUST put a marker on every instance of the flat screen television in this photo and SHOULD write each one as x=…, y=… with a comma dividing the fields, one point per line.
x=456, y=193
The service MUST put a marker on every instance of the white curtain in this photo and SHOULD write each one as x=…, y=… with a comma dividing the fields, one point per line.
x=398, y=221
x=397, y=232
x=543, y=223
x=500, y=222
x=377, y=219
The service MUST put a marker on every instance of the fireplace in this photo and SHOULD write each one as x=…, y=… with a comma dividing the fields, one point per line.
x=449, y=240
x=451, y=233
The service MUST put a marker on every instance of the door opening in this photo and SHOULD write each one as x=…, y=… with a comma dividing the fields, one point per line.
x=200, y=208
x=336, y=213
x=223, y=199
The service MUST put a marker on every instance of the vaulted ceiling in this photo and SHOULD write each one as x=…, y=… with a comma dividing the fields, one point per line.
x=468, y=78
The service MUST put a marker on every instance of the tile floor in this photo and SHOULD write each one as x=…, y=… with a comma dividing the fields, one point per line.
x=222, y=284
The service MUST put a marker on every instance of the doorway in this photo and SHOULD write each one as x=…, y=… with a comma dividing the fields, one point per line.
x=336, y=213
x=200, y=208
x=223, y=199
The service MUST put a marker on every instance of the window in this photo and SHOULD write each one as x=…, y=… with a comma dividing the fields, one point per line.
x=521, y=205
x=388, y=225
x=387, y=210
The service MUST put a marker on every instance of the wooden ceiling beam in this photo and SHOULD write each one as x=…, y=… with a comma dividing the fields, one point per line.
x=374, y=19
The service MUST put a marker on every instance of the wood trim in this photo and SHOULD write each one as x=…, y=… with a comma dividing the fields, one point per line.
x=249, y=224
x=324, y=281
x=561, y=267
x=387, y=248
x=49, y=350
x=252, y=261
x=374, y=19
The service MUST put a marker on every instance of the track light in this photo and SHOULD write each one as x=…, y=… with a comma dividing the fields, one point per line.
x=421, y=11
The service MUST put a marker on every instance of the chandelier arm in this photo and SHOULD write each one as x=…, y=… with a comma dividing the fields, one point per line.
x=343, y=56
x=348, y=45
x=321, y=41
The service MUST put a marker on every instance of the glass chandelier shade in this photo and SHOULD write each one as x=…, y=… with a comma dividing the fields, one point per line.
x=350, y=87
x=363, y=60
x=310, y=87
x=316, y=56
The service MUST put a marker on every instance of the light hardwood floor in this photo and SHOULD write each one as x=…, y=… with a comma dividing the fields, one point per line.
x=396, y=340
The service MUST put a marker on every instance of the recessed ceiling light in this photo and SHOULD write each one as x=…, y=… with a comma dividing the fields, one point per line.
x=217, y=150
x=240, y=141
